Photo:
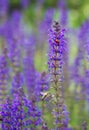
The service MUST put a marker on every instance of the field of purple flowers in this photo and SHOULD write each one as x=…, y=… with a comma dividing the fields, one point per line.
x=44, y=69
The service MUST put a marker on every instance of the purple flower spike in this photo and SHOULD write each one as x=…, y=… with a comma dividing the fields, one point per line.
x=3, y=76
x=63, y=12
x=14, y=53
x=3, y=7
x=31, y=79
x=55, y=63
x=46, y=23
x=28, y=65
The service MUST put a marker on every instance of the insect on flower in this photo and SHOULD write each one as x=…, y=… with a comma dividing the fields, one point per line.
x=57, y=41
x=45, y=95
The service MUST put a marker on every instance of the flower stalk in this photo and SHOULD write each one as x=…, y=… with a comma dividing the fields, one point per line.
x=57, y=49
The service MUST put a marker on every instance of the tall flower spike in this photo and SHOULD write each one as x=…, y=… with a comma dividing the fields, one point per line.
x=63, y=12
x=4, y=4
x=3, y=76
x=31, y=77
x=56, y=52
x=14, y=54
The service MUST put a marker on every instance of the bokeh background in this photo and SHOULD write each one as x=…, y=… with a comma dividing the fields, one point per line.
x=78, y=10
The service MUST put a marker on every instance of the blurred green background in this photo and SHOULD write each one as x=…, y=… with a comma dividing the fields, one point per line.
x=78, y=9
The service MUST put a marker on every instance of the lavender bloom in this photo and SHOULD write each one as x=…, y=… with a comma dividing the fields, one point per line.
x=86, y=84
x=14, y=54
x=46, y=23
x=15, y=20
x=17, y=82
x=34, y=112
x=35, y=116
x=20, y=113
x=87, y=51
x=3, y=7
x=17, y=109
x=6, y=115
x=3, y=76
x=76, y=67
x=43, y=83
x=43, y=27
x=12, y=112
x=12, y=27
x=5, y=31
x=2, y=26
x=63, y=12
x=28, y=66
x=56, y=47
x=32, y=115
x=86, y=38
x=78, y=63
x=31, y=80
x=56, y=52
x=12, y=34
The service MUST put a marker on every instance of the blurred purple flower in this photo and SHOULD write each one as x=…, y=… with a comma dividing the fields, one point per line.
x=78, y=63
x=28, y=65
x=4, y=4
x=6, y=114
x=17, y=82
x=25, y=3
x=4, y=74
x=63, y=12
x=31, y=78
x=46, y=23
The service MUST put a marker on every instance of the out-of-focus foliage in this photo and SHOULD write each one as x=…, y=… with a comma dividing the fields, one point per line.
x=78, y=9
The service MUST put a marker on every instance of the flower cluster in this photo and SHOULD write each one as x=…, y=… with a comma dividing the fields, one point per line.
x=20, y=113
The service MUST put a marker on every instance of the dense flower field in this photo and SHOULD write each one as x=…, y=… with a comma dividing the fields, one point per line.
x=44, y=70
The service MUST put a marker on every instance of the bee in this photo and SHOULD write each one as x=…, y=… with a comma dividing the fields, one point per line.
x=45, y=96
